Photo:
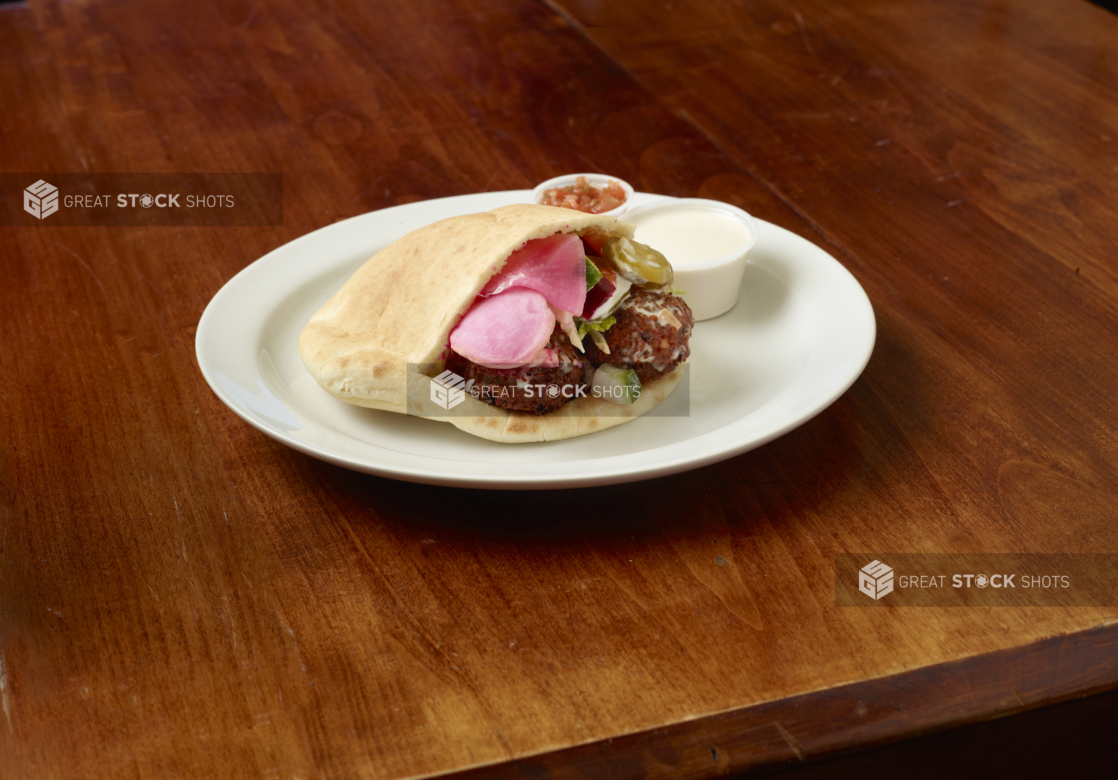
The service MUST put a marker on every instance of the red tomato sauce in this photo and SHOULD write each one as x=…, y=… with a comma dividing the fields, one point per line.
x=582, y=196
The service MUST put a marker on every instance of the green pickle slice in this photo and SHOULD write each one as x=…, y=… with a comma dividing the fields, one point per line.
x=639, y=263
x=617, y=384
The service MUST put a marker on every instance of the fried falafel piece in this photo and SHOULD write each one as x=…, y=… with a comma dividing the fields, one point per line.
x=537, y=389
x=650, y=336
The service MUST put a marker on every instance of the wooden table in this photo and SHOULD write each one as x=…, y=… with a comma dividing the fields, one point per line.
x=181, y=596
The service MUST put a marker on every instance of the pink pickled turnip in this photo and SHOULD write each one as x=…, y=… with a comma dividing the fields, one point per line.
x=507, y=329
x=554, y=266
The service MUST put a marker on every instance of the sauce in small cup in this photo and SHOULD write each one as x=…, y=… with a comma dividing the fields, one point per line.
x=707, y=243
x=569, y=190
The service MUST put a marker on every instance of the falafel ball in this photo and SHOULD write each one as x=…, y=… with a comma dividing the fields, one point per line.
x=645, y=340
x=535, y=389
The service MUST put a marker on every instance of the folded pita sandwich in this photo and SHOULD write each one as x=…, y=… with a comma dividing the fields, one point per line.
x=533, y=323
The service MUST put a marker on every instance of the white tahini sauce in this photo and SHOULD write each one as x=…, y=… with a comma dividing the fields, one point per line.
x=689, y=236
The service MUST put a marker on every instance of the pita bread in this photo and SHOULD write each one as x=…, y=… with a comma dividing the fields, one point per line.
x=401, y=305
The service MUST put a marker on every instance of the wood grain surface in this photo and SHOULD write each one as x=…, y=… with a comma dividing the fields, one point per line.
x=181, y=596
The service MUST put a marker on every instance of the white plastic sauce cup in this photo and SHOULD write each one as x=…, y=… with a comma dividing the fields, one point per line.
x=706, y=241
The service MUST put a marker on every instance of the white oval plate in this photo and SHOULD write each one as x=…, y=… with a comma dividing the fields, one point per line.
x=799, y=336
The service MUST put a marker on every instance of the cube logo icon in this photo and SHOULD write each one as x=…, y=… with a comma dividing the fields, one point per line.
x=875, y=580
x=448, y=390
x=40, y=200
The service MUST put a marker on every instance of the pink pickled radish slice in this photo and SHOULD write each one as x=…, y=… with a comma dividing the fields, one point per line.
x=504, y=330
x=554, y=267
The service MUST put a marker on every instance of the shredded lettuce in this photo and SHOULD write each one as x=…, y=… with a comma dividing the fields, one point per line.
x=601, y=325
x=676, y=291
x=593, y=275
